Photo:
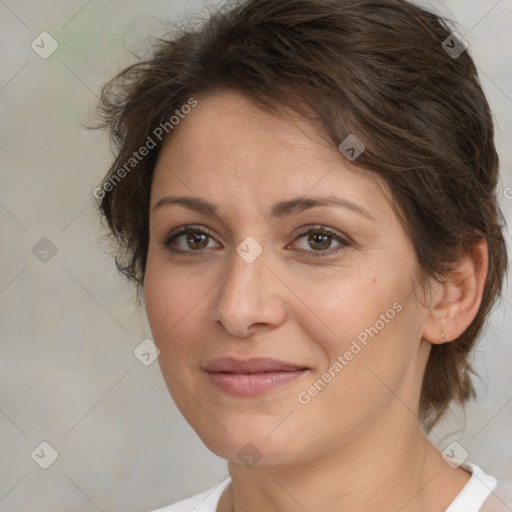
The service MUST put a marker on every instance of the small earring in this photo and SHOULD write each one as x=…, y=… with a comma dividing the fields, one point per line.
x=442, y=336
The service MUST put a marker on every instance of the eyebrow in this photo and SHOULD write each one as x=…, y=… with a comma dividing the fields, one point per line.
x=278, y=211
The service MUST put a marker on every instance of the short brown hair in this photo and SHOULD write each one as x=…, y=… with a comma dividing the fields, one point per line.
x=377, y=69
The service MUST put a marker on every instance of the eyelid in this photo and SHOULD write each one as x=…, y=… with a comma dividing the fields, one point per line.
x=322, y=228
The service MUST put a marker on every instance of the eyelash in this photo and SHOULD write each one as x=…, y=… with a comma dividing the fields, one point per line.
x=303, y=231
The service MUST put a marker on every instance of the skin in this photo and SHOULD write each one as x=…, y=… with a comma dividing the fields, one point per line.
x=357, y=445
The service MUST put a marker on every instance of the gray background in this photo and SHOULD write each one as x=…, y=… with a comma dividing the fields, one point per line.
x=68, y=374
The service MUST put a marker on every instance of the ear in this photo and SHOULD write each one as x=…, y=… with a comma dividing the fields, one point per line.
x=458, y=299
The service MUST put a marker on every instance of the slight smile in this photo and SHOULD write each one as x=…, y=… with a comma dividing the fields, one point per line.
x=252, y=377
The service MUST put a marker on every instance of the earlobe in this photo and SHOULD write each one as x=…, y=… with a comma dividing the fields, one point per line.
x=459, y=297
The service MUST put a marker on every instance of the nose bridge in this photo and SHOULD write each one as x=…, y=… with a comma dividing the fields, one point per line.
x=246, y=279
x=248, y=292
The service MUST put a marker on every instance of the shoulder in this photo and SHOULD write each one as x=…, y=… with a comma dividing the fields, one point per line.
x=483, y=493
x=500, y=498
x=205, y=502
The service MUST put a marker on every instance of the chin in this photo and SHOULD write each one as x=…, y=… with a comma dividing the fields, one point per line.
x=253, y=442
x=251, y=451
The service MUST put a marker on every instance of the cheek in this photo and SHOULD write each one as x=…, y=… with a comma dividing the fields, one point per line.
x=156, y=299
x=355, y=304
x=167, y=295
x=176, y=306
x=365, y=324
x=377, y=362
x=166, y=308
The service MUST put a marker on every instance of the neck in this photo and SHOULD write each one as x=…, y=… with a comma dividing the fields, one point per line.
x=383, y=469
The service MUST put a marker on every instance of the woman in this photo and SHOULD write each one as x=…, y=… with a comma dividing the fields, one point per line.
x=304, y=192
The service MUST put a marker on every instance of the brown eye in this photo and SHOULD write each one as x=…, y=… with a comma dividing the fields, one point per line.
x=188, y=239
x=196, y=240
x=319, y=239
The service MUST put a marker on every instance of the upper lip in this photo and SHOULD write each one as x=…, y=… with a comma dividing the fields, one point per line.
x=253, y=365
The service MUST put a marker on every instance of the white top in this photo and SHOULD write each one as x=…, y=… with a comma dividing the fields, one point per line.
x=482, y=493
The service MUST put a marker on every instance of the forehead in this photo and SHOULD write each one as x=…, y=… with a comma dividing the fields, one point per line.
x=230, y=149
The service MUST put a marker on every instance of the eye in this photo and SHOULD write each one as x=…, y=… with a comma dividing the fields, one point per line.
x=190, y=239
x=196, y=239
x=320, y=238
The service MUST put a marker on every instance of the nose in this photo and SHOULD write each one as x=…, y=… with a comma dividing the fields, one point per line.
x=249, y=297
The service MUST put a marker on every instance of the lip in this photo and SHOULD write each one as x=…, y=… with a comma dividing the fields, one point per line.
x=252, y=377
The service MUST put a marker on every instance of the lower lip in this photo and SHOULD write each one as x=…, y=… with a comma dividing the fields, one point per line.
x=252, y=384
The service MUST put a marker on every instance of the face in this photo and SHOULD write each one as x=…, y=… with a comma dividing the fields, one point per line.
x=279, y=288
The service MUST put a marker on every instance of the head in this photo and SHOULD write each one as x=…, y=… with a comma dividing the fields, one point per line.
x=250, y=118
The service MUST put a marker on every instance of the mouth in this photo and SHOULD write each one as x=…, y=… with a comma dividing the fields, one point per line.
x=252, y=377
